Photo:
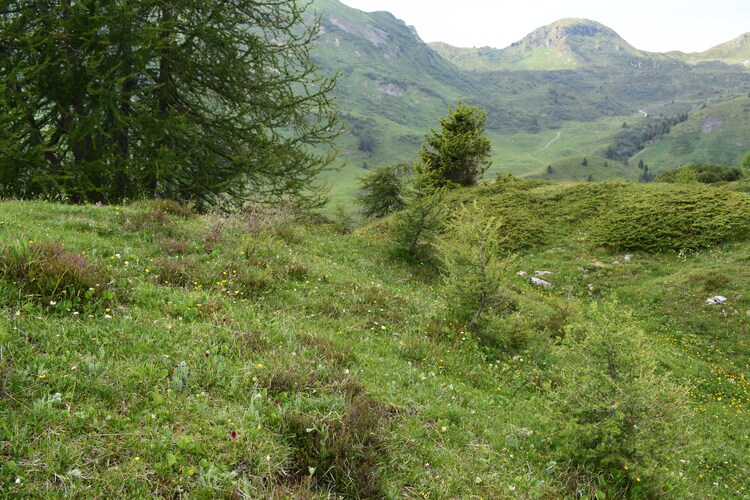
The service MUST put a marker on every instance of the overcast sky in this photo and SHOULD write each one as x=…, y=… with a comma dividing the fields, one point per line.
x=654, y=25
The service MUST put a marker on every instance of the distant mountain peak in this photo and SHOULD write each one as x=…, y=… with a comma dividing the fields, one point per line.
x=571, y=32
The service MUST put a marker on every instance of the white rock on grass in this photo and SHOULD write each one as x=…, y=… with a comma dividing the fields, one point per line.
x=542, y=273
x=522, y=273
x=716, y=301
x=540, y=282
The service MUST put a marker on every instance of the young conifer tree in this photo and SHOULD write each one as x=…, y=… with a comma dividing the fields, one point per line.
x=382, y=191
x=459, y=153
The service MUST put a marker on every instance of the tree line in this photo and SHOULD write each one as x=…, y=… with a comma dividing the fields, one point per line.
x=632, y=139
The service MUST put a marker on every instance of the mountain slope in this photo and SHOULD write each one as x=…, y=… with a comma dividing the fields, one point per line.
x=733, y=51
x=586, y=168
x=715, y=134
x=265, y=355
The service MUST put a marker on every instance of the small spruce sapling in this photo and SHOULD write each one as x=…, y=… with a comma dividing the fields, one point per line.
x=382, y=191
x=619, y=416
x=417, y=225
x=473, y=264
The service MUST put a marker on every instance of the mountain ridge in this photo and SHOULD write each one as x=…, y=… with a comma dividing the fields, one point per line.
x=575, y=43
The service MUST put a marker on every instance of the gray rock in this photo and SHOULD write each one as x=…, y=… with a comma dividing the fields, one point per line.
x=716, y=301
x=542, y=273
x=540, y=282
x=522, y=273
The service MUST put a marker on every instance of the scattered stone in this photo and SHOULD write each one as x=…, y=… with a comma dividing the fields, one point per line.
x=627, y=258
x=522, y=273
x=542, y=273
x=540, y=282
x=598, y=264
x=716, y=301
x=591, y=287
x=616, y=262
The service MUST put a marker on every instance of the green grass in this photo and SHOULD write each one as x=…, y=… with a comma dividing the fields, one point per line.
x=595, y=169
x=267, y=356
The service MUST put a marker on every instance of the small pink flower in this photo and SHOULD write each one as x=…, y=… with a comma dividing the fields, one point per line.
x=276, y=402
x=233, y=435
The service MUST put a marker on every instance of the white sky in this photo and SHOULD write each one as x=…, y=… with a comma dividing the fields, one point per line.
x=653, y=25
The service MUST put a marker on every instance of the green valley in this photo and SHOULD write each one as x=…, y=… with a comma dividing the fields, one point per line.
x=576, y=77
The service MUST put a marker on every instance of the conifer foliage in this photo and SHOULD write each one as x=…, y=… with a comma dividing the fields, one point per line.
x=458, y=154
x=383, y=190
x=208, y=100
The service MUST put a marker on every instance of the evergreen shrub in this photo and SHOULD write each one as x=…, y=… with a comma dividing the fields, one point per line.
x=681, y=217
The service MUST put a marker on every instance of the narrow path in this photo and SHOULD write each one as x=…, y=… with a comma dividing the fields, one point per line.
x=545, y=147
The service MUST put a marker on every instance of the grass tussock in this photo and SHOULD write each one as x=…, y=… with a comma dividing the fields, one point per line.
x=48, y=273
x=292, y=377
x=340, y=454
x=174, y=246
x=154, y=215
x=327, y=350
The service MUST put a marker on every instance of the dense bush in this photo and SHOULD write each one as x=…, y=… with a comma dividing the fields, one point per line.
x=615, y=215
x=703, y=173
x=673, y=218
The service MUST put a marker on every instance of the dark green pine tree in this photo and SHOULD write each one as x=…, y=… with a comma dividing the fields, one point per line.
x=459, y=153
x=205, y=100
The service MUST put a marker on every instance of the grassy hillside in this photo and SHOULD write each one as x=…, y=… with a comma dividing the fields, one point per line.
x=149, y=351
x=595, y=169
x=735, y=51
x=715, y=134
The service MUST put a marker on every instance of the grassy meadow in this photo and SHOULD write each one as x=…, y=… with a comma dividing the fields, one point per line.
x=147, y=351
